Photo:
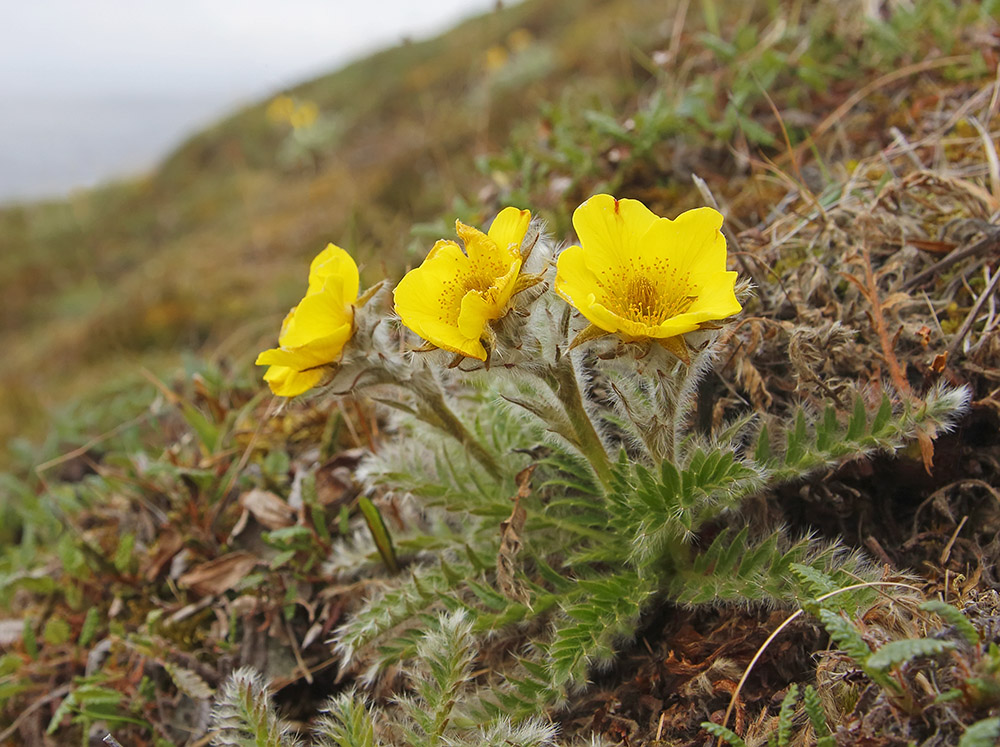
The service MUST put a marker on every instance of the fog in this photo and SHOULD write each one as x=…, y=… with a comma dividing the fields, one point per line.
x=103, y=88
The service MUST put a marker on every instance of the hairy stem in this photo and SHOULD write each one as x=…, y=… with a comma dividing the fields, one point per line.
x=440, y=415
x=562, y=380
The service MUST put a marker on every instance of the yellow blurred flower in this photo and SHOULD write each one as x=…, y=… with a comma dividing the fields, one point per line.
x=643, y=277
x=280, y=109
x=315, y=332
x=520, y=39
x=304, y=115
x=453, y=296
x=496, y=58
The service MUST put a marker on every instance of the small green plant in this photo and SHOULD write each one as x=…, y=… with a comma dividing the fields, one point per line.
x=783, y=733
x=562, y=485
x=947, y=676
x=983, y=733
x=444, y=710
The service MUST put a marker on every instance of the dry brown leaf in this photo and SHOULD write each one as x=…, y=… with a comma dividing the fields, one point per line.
x=750, y=379
x=935, y=247
x=510, y=540
x=926, y=444
x=221, y=574
x=168, y=544
x=268, y=508
x=895, y=299
x=334, y=479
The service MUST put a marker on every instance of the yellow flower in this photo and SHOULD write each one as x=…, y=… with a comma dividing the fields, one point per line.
x=304, y=115
x=644, y=277
x=315, y=332
x=280, y=108
x=520, y=39
x=496, y=58
x=453, y=296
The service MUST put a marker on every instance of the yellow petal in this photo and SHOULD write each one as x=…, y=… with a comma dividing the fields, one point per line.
x=503, y=288
x=485, y=257
x=677, y=325
x=475, y=313
x=574, y=280
x=318, y=352
x=316, y=317
x=287, y=382
x=646, y=277
x=509, y=227
x=449, y=249
x=599, y=315
x=692, y=246
x=429, y=297
x=610, y=231
x=717, y=297
x=336, y=270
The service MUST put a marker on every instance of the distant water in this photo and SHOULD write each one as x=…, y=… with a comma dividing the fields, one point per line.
x=50, y=146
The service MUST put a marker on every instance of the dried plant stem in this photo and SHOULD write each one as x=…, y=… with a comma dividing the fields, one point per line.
x=869, y=290
x=987, y=244
x=861, y=94
x=966, y=327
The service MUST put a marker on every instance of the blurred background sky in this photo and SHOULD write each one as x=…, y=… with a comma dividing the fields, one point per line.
x=103, y=88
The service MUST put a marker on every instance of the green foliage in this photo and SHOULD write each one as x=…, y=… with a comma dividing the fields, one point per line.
x=90, y=701
x=783, y=733
x=445, y=709
x=349, y=722
x=897, y=653
x=880, y=665
x=969, y=673
x=244, y=714
x=983, y=733
x=814, y=710
x=593, y=552
x=725, y=90
x=380, y=534
x=966, y=630
x=727, y=735
x=596, y=551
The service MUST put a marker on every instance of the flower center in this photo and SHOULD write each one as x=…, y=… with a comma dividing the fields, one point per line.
x=479, y=282
x=646, y=302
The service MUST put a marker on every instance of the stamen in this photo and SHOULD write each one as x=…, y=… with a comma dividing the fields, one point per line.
x=649, y=295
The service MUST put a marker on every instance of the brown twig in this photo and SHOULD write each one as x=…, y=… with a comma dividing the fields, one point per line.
x=973, y=315
x=990, y=242
x=869, y=289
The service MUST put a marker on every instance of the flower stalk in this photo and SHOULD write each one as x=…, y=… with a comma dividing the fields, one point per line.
x=433, y=409
x=562, y=380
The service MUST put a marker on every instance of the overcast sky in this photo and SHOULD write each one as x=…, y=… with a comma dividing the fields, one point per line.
x=94, y=47
x=95, y=89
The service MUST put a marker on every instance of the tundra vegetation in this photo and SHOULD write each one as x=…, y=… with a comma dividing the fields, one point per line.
x=642, y=388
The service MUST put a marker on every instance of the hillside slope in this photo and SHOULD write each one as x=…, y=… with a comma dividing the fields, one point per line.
x=211, y=244
x=619, y=534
